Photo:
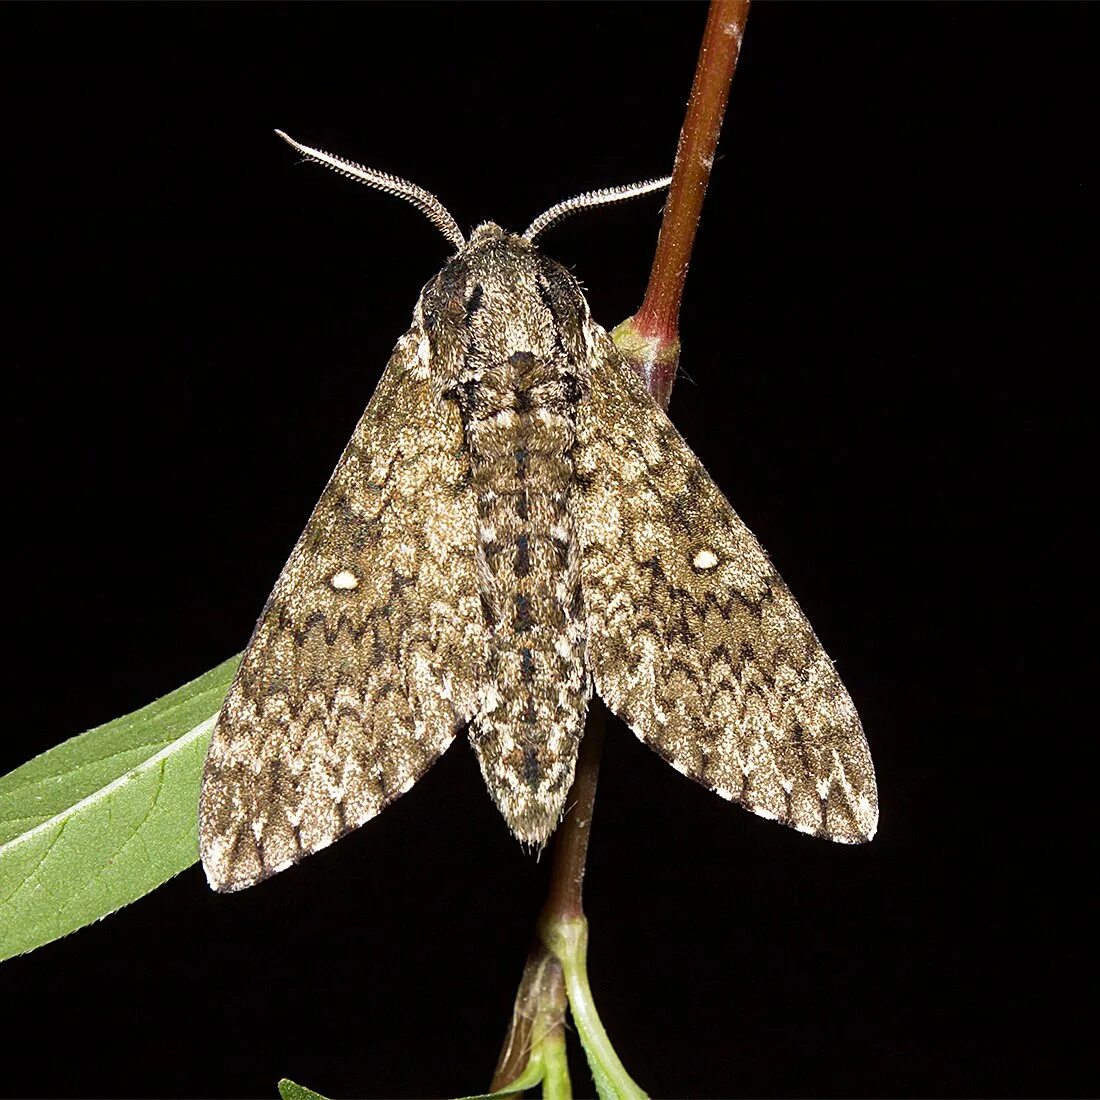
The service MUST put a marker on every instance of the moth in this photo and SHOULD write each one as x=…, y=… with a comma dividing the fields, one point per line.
x=514, y=525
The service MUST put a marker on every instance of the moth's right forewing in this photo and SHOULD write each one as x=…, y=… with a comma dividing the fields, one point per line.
x=693, y=638
x=370, y=652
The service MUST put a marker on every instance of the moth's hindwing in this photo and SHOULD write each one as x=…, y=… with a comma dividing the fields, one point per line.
x=370, y=652
x=693, y=638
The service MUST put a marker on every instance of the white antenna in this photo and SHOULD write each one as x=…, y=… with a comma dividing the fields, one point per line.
x=592, y=198
x=423, y=200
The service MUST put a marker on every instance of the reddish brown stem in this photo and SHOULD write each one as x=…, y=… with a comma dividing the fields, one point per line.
x=571, y=846
x=655, y=340
x=651, y=341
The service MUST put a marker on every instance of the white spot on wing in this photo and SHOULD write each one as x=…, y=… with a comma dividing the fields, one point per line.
x=705, y=559
x=344, y=580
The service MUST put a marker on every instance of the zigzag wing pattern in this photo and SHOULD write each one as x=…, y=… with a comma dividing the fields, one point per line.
x=370, y=652
x=693, y=638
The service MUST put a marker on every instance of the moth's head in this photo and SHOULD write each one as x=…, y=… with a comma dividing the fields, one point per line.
x=497, y=296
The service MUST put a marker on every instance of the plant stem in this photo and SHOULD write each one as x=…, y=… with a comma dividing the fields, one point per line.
x=568, y=940
x=571, y=848
x=652, y=336
x=650, y=342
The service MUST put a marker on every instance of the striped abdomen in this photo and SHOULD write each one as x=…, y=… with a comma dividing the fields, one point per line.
x=519, y=417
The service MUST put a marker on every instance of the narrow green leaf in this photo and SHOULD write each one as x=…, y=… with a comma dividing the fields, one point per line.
x=105, y=817
x=289, y=1090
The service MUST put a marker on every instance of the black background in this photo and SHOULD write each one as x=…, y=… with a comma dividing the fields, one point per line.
x=884, y=352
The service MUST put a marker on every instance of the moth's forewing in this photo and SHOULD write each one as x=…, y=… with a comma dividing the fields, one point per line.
x=693, y=638
x=370, y=653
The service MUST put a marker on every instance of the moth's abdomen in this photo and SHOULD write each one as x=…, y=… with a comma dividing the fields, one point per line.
x=519, y=420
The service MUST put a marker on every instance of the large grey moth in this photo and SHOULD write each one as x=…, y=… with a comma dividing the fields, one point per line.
x=514, y=525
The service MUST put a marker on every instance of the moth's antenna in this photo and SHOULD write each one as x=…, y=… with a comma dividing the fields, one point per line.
x=592, y=198
x=423, y=200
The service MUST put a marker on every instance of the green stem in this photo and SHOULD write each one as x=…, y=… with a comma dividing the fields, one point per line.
x=568, y=940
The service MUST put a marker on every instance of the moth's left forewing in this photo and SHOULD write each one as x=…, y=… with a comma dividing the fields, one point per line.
x=693, y=638
x=370, y=652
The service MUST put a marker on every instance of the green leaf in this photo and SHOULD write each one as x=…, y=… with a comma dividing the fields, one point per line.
x=289, y=1090
x=105, y=817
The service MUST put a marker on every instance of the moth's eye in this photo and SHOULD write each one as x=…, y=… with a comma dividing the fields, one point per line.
x=449, y=287
x=446, y=300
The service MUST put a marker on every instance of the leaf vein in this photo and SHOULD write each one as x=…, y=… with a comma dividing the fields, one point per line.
x=97, y=796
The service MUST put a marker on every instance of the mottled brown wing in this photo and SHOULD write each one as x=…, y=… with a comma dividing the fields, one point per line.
x=370, y=653
x=694, y=640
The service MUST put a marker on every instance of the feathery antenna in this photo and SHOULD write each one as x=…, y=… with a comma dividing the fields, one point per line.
x=592, y=198
x=423, y=200
x=441, y=217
